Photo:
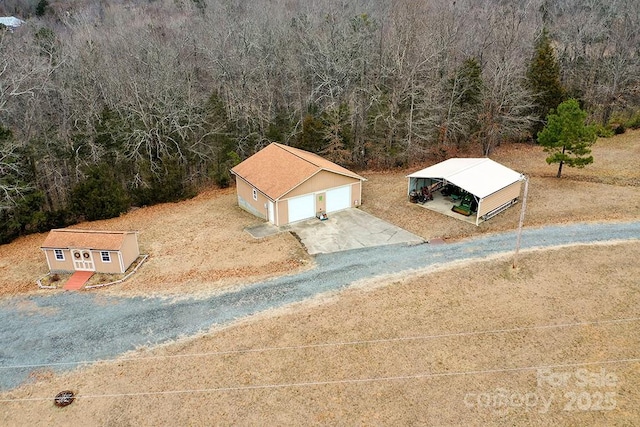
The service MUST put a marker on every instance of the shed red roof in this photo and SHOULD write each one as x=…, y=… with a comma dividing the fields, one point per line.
x=277, y=169
x=66, y=238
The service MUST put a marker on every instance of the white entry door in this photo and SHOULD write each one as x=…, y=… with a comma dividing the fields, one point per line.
x=83, y=260
x=271, y=207
x=339, y=199
x=302, y=207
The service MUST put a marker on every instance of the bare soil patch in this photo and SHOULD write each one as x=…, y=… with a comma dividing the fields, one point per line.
x=414, y=351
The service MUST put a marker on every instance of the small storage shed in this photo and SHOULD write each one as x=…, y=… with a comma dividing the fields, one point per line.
x=283, y=184
x=68, y=250
x=494, y=187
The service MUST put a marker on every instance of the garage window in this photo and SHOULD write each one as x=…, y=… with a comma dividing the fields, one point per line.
x=255, y=194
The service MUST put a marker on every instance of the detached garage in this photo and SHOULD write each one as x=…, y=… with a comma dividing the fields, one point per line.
x=283, y=184
x=478, y=188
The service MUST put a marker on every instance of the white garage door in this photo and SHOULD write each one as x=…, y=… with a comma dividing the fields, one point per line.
x=338, y=199
x=302, y=207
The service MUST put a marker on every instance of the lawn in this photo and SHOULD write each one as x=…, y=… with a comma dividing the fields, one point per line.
x=431, y=349
x=438, y=348
x=608, y=190
x=200, y=246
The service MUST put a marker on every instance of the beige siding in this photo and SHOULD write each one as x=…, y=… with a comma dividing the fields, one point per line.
x=321, y=202
x=130, y=250
x=282, y=212
x=323, y=180
x=246, y=202
x=67, y=266
x=356, y=194
x=59, y=266
x=130, y=253
x=499, y=198
x=112, y=267
x=316, y=185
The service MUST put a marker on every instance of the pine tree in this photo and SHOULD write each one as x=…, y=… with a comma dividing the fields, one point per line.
x=543, y=79
x=100, y=195
x=462, y=103
x=470, y=84
x=41, y=7
x=567, y=137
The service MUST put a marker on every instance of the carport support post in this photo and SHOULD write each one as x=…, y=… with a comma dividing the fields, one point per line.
x=524, y=206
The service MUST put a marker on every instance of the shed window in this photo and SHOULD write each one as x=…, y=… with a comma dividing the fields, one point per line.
x=255, y=194
x=105, y=256
x=59, y=254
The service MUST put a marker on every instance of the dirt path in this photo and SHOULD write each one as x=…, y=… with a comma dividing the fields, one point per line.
x=68, y=328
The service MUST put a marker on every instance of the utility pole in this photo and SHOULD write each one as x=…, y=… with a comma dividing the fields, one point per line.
x=524, y=207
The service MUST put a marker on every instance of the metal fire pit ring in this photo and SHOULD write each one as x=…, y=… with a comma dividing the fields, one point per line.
x=64, y=398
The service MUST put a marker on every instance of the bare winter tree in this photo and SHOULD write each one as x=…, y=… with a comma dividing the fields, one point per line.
x=13, y=180
x=507, y=104
x=402, y=117
x=598, y=51
x=25, y=70
x=178, y=90
x=28, y=65
x=145, y=74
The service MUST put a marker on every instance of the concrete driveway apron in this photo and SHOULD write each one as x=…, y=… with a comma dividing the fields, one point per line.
x=349, y=229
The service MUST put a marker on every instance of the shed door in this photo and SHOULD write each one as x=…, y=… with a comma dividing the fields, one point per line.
x=83, y=260
x=302, y=207
x=339, y=199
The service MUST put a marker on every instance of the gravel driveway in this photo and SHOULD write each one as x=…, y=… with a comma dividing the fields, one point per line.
x=61, y=330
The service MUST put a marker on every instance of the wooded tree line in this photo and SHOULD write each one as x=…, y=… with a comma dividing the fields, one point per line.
x=105, y=105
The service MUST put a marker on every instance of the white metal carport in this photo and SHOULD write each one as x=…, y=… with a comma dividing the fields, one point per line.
x=494, y=186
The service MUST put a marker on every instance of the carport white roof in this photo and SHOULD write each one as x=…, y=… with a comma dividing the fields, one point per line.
x=479, y=176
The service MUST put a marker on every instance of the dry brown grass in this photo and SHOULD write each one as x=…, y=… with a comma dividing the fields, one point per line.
x=479, y=297
x=199, y=245
x=608, y=190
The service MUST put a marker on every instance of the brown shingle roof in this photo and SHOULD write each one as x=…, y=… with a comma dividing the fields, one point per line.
x=90, y=239
x=277, y=169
